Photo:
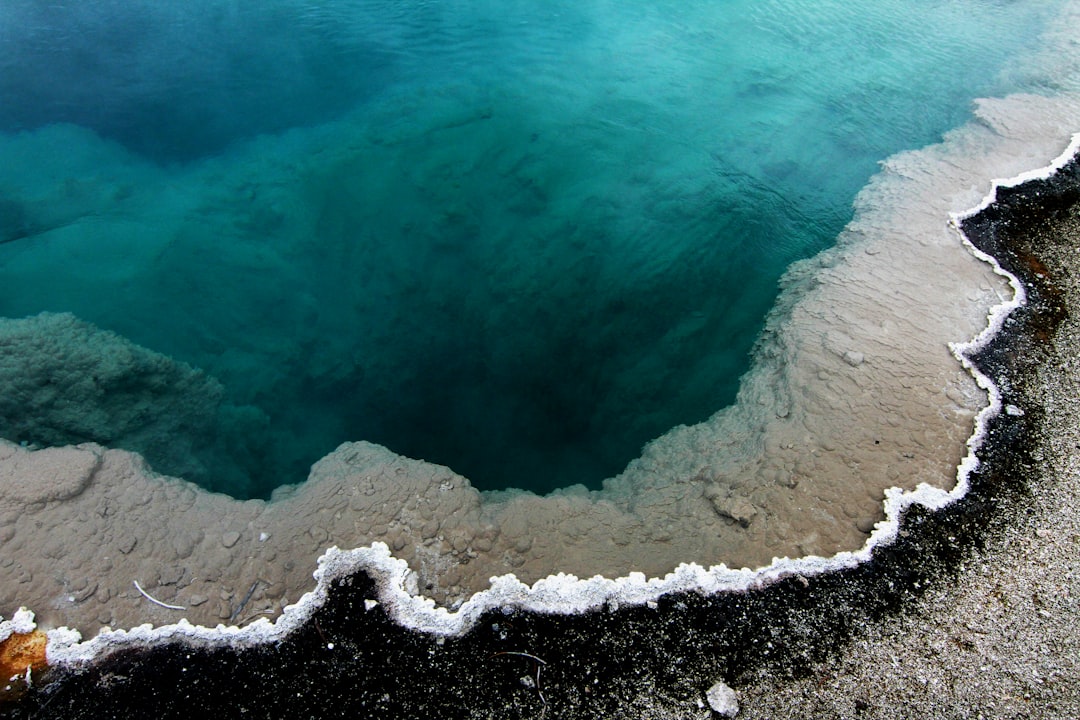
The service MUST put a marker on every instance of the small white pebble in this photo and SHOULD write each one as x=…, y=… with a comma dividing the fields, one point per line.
x=722, y=700
x=854, y=358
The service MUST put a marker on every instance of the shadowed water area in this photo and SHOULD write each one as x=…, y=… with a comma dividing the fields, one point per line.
x=520, y=239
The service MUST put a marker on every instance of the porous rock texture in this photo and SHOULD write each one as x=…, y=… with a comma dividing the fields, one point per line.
x=64, y=381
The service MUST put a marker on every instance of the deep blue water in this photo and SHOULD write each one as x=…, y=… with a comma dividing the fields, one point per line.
x=517, y=237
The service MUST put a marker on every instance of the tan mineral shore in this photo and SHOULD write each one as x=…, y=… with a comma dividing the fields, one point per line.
x=854, y=391
x=1002, y=639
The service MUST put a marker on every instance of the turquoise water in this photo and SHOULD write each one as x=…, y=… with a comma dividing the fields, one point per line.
x=519, y=237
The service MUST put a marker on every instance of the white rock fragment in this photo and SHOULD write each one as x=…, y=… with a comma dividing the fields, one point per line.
x=854, y=358
x=723, y=700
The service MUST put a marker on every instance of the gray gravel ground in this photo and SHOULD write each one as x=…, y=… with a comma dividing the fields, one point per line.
x=1003, y=639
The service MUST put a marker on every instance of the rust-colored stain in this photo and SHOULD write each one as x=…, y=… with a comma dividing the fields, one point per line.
x=1035, y=265
x=1048, y=303
x=21, y=651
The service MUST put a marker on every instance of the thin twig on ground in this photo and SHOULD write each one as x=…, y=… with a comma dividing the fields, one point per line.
x=155, y=600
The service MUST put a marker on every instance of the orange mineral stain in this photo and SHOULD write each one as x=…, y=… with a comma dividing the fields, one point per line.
x=21, y=651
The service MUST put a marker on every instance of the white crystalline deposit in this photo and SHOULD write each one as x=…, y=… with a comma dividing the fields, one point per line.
x=723, y=700
x=21, y=622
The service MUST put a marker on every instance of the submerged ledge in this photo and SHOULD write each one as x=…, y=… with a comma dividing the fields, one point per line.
x=628, y=646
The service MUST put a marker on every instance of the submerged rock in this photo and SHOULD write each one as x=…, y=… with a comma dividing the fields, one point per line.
x=64, y=381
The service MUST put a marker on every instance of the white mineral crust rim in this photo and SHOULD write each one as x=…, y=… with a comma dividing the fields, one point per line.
x=557, y=594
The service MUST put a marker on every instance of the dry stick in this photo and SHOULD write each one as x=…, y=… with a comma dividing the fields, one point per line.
x=244, y=602
x=154, y=600
x=539, y=663
x=522, y=654
x=538, y=690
